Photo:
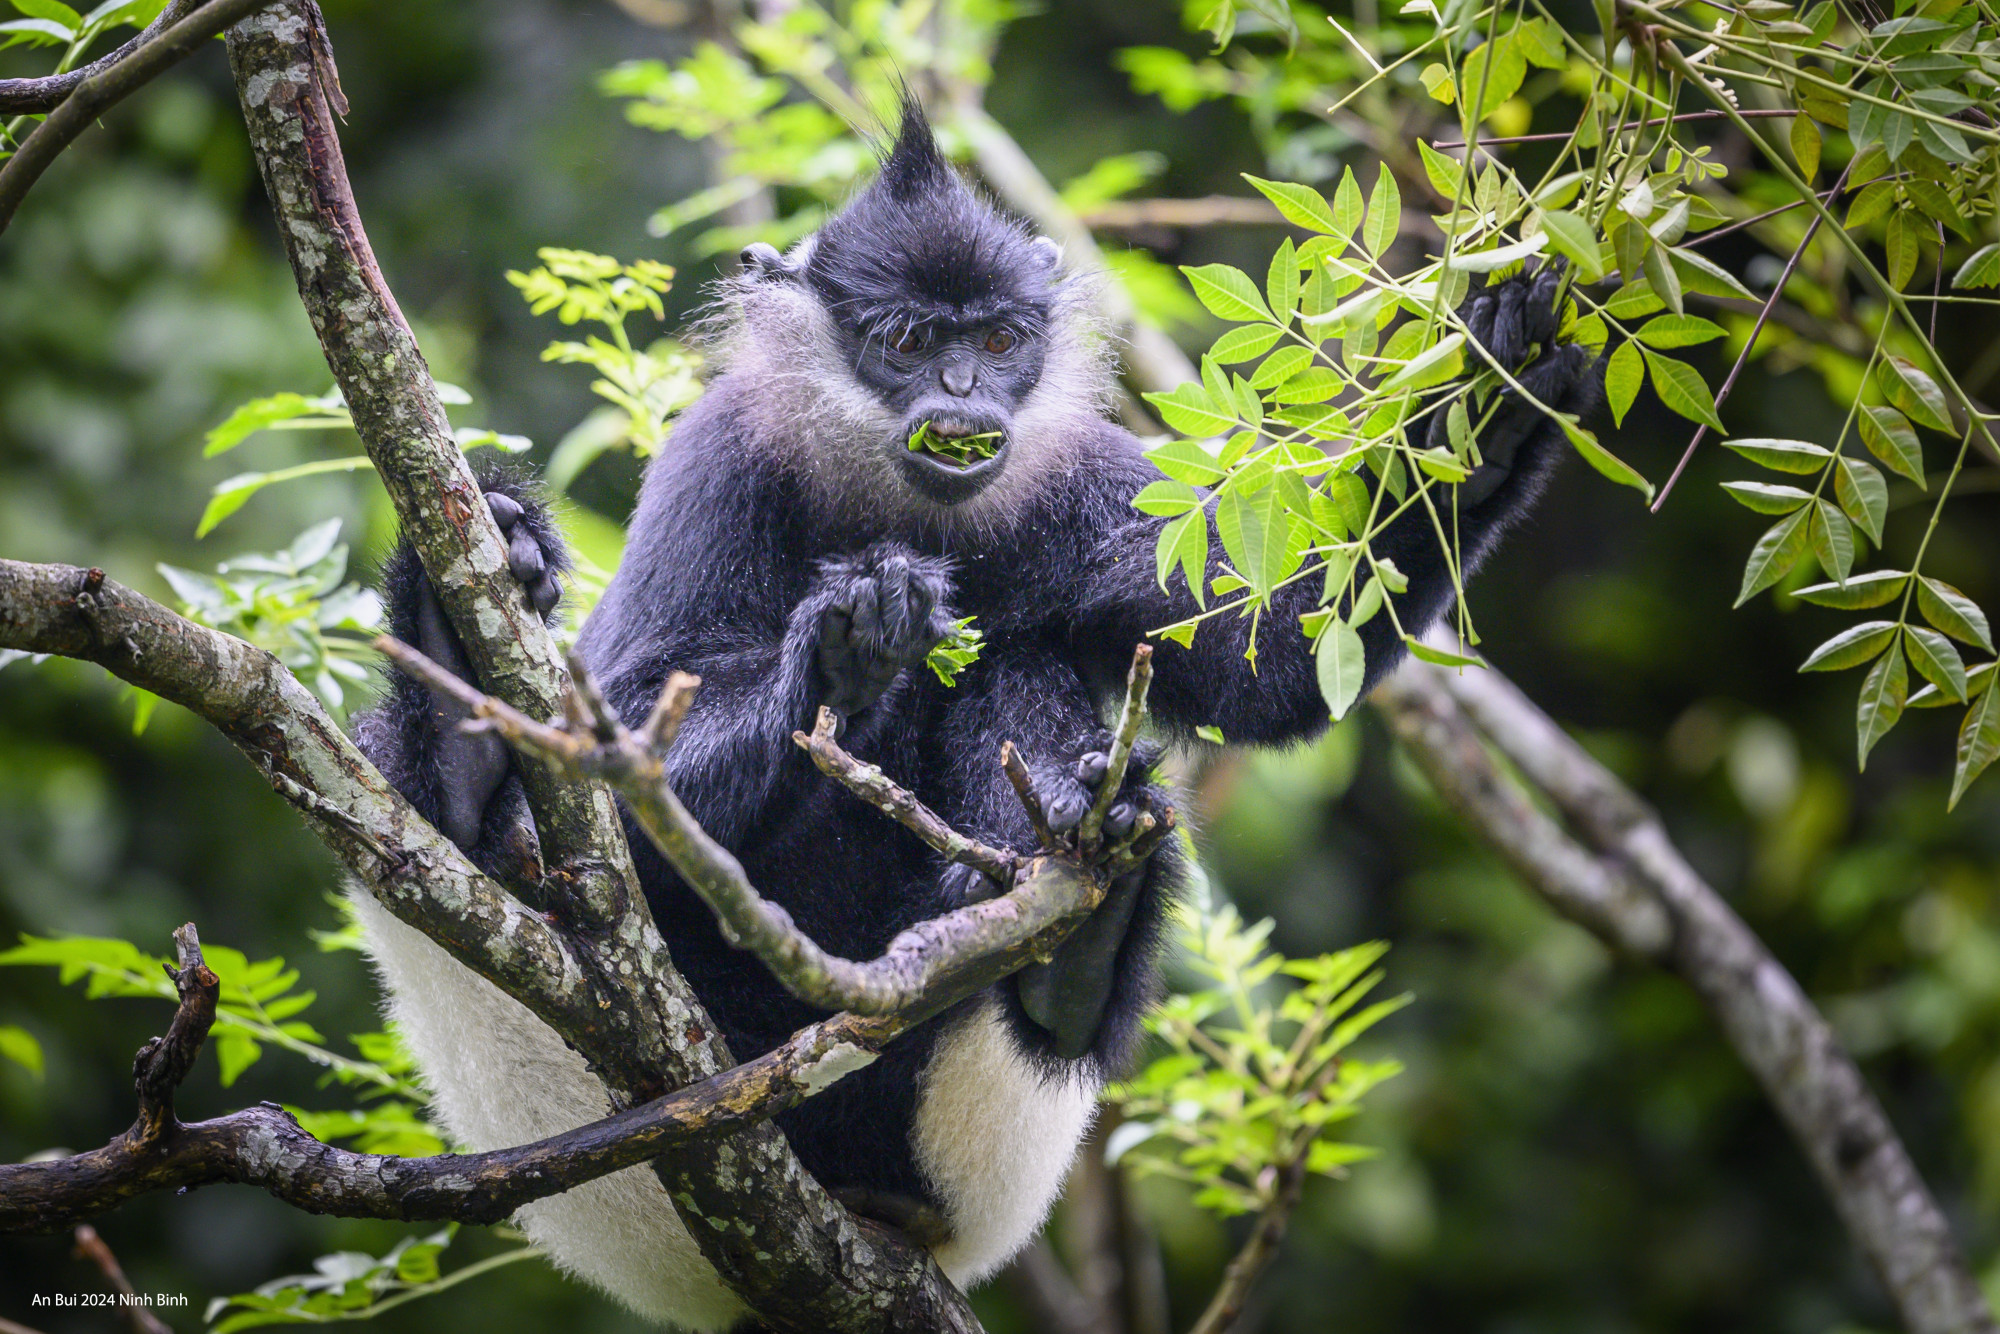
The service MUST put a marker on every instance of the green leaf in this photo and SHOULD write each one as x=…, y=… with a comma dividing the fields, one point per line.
x=1981, y=270
x=1499, y=257
x=262, y=413
x=1623, y=376
x=1937, y=205
x=52, y=10
x=1851, y=647
x=1281, y=366
x=1890, y=438
x=1936, y=661
x=1350, y=497
x=1907, y=386
x=1227, y=292
x=1832, y=540
x=230, y=495
x=1492, y=74
x=1186, y=461
x=1871, y=203
x=1954, y=613
x=1573, y=239
x=1774, y=555
x=1264, y=542
x=1600, y=458
x=1806, y=146
x=1347, y=204
x=1863, y=494
x=1680, y=387
x=1763, y=497
x=1883, y=695
x=1168, y=499
x=1663, y=331
x=1244, y=342
x=1862, y=591
x=1662, y=278
x=1385, y=213
x=1446, y=174
x=1187, y=408
x=1704, y=276
x=19, y=1046
x=1435, y=364
x=1341, y=667
x=1282, y=282
x=1184, y=543
x=1419, y=649
x=1903, y=245
x=1978, y=743
x=1300, y=205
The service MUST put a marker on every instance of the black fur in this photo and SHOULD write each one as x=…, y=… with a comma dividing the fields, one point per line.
x=738, y=569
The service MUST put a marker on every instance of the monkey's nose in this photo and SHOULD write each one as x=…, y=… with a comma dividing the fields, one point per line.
x=959, y=377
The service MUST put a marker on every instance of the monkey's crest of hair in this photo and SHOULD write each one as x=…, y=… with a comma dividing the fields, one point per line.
x=916, y=245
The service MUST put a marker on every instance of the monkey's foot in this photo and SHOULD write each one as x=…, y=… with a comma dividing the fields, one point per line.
x=533, y=551
x=1067, y=792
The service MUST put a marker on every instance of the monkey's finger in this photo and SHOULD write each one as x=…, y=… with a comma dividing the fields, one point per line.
x=1479, y=319
x=1509, y=345
x=1065, y=808
x=1542, y=317
x=865, y=619
x=1091, y=768
x=524, y=556
x=1119, y=819
x=545, y=592
x=505, y=509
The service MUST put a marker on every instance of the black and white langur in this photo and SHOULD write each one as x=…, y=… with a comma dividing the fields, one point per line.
x=794, y=550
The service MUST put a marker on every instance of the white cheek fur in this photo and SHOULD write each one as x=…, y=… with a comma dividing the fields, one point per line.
x=992, y=1135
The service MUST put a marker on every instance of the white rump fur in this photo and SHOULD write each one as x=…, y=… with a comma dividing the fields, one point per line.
x=994, y=1137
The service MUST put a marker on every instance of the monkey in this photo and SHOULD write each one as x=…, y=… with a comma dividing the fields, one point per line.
x=818, y=521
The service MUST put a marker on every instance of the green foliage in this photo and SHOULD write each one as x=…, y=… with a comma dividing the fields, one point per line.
x=296, y=603
x=1309, y=453
x=353, y=1285
x=51, y=23
x=1255, y=1071
x=645, y=388
x=258, y=1005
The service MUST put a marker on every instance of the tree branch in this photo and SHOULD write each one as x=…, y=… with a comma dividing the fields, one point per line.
x=34, y=96
x=263, y=1146
x=925, y=967
x=104, y=85
x=255, y=701
x=1126, y=215
x=1644, y=897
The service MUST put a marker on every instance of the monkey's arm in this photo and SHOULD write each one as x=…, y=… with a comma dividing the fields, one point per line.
x=1211, y=683
x=462, y=784
x=863, y=621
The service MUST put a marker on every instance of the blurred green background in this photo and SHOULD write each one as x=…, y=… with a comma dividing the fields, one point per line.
x=1572, y=1149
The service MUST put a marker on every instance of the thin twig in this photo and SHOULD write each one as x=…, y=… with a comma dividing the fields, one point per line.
x=1643, y=125
x=868, y=782
x=1137, y=680
x=664, y=723
x=108, y=86
x=1749, y=344
x=1258, y=1250
x=1208, y=211
x=89, y=1246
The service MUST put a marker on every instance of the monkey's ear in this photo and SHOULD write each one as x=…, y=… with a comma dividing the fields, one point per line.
x=763, y=262
x=1049, y=251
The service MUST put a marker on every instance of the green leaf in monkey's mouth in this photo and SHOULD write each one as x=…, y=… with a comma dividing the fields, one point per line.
x=959, y=451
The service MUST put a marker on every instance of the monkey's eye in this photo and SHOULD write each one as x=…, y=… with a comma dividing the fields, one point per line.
x=1000, y=340
x=913, y=340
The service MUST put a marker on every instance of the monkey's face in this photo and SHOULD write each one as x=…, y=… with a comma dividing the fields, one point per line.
x=956, y=386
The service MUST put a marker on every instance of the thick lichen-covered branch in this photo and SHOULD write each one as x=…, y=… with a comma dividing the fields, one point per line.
x=256, y=702
x=922, y=968
x=1616, y=872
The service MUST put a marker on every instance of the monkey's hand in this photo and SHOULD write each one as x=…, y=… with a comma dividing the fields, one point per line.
x=1068, y=995
x=879, y=612
x=1516, y=322
x=472, y=768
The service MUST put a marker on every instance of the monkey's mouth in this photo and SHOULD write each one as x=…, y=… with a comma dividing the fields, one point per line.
x=955, y=446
